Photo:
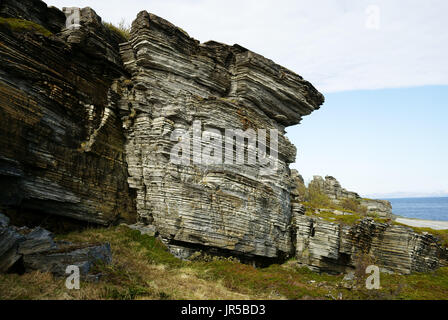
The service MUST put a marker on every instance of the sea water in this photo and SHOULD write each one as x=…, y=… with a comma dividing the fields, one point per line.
x=421, y=208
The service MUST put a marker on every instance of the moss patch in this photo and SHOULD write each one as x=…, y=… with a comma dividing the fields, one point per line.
x=20, y=25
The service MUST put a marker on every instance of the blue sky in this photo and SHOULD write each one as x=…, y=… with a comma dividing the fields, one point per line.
x=378, y=142
x=381, y=64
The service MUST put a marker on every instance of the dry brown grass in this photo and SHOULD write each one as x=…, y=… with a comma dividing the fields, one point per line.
x=131, y=276
x=143, y=269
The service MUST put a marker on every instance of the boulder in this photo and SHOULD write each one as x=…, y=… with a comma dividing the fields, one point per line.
x=39, y=251
x=56, y=261
x=36, y=241
x=9, y=244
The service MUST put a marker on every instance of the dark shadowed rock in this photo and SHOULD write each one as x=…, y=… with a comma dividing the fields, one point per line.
x=61, y=142
x=37, y=240
x=57, y=261
x=34, y=10
x=4, y=220
x=9, y=243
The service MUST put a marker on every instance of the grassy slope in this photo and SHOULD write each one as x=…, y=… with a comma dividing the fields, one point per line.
x=143, y=269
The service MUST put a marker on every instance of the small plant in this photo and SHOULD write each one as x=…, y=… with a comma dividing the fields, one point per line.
x=123, y=29
x=317, y=199
x=354, y=205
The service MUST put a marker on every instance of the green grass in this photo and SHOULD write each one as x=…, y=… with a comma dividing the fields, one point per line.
x=143, y=268
x=20, y=25
x=121, y=30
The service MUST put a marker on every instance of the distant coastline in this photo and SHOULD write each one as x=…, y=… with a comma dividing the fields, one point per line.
x=422, y=208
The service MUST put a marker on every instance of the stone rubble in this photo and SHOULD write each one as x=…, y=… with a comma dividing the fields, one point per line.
x=39, y=251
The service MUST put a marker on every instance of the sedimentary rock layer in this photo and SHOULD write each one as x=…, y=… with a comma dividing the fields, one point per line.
x=61, y=144
x=177, y=81
x=331, y=247
x=332, y=188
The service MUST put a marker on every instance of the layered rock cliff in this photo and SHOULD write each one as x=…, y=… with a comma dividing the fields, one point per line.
x=177, y=81
x=90, y=120
x=336, y=248
x=61, y=143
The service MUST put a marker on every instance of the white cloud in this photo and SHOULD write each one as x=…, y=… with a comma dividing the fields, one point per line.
x=325, y=41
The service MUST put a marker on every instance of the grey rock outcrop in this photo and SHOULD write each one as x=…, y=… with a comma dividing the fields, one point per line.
x=9, y=244
x=176, y=81
x=36, y=241
x=334, y=248
x=381, y=207
x=36, y=249
x=56, y=261
x=333, y=189
x=61, y=144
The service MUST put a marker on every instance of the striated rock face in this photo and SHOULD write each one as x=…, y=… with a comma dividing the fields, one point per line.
x=382, y=207
x=332, y=188
x=177, y=81
x=37, y=11
x=331, y=247
x=61, y=143
x=89, y=123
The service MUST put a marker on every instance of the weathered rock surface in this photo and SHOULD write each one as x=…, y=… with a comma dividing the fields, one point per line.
x=37, y=11
x=36, y=241
x=9, y=244
x=382, y=207
x=331, y=247
x=61, y=142
x=143, y=229
x=87, y=119
x=176, y=81
x=332, y=188
x=56, y=261
x=39, y=251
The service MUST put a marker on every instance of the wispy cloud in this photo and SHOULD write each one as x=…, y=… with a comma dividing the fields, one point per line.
x=326, y=41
